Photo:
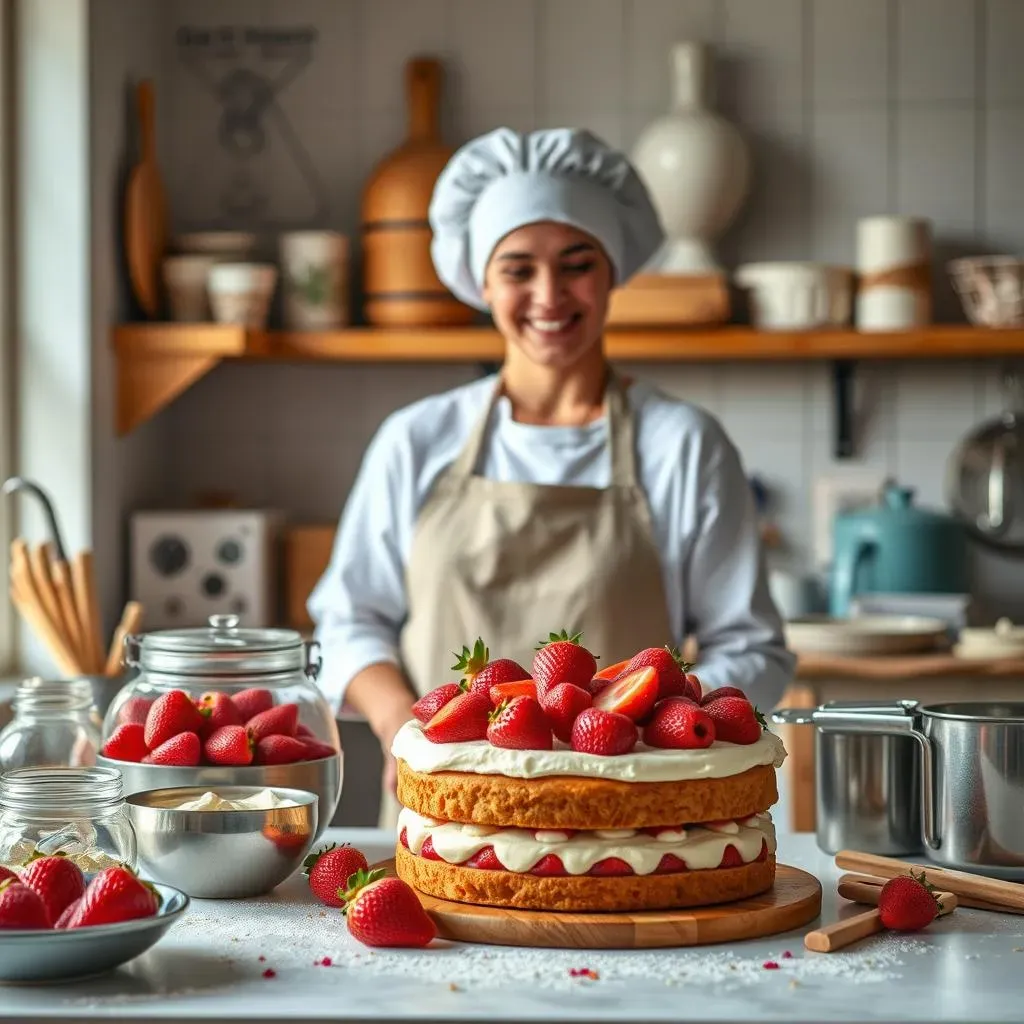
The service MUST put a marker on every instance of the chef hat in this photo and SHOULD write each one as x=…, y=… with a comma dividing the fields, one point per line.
x=506, y=179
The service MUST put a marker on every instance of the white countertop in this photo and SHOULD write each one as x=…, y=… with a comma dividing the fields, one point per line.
x=966, y=967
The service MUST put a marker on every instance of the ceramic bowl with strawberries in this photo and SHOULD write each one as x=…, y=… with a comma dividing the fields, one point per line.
x=224, y=705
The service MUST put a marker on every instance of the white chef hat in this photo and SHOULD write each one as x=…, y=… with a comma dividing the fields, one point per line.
x=506, y=179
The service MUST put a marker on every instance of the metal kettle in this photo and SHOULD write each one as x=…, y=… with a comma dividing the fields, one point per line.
x=985, y=475
x=896, y=548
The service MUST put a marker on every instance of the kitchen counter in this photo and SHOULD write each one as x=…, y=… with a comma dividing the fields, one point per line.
x=211, y=966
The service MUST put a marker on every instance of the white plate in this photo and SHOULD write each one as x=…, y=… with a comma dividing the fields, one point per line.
x=865, y=634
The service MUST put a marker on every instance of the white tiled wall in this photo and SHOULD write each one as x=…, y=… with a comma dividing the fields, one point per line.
x=851, y=108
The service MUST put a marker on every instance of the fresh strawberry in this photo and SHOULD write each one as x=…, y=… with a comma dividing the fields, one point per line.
x=172, y=713
x=230, y=745
x=329, y=871
x=7, y=873
x=252, y=702
x=678, y=723
x=480, y=673
x=56, y=880
x=134, y=710
x=461, y=719
x=736, y=719
x=603, y=732
x=722, y=691
x=218, y=710
x=69, y=912
x=610, y=672
x=670, y=668
x=21, y=907
x=562, y=659
x=908, y=903
x=303, y=732
x=280, y=750
x=562, y=704
x=501, y=692
x=694, y=690
x=127, y=743
x=315, y=750
x=386, y=911
x=430, y=703
x=520, y=725
x=632, y=695
x=282, y=720
x=114, y=894
x=181, y=751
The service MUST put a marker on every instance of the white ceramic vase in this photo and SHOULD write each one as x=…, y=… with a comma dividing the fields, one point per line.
x=696, y=166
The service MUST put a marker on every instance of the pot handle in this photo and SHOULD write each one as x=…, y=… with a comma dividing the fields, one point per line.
x=899, y=718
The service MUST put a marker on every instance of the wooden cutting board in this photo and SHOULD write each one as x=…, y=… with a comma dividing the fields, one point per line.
x=794, y=901
x=145, y=211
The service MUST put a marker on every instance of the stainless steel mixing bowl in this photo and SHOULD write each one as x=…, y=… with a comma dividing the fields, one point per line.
x=229, y=854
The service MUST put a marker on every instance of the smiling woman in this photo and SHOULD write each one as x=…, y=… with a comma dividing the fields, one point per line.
x=554, y=495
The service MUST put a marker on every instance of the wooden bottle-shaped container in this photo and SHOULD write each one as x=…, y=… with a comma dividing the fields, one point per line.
x=400, y=286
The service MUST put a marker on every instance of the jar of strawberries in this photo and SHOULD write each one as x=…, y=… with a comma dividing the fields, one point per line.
x=224, y=705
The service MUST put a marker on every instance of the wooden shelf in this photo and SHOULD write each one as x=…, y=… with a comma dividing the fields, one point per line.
x=156, y=362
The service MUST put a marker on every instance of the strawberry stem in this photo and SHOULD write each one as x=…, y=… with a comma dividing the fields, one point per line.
x=472, y=661
x=359, y=881
x=562, y=637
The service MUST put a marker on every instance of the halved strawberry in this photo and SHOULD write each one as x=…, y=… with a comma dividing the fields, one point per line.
x=520, y=725
x=603, y=732
x=669, y=864
x=611, y=867
x=562, y=659
x=610, y=672
x=562, y=704
x=731, y=858
x=430, y=703
x=632, y=695
x=427, y=850
x=501, y=692
x=462, y=719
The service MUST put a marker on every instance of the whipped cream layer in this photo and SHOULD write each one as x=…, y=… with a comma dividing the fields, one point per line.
x=699, y=847
x=642, y=764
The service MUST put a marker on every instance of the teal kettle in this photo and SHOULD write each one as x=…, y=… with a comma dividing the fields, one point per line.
x=896, y=548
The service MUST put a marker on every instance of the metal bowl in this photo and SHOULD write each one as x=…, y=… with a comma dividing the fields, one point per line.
x=51, y=955
x=222, y=854
x=322, y=777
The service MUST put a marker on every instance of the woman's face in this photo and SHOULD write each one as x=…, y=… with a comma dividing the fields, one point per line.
x=547, y=285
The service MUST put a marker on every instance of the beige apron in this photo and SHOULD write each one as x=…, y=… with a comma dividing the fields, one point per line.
x=513, y=562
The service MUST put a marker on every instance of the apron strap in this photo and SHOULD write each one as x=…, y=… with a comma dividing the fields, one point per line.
x=620, y=436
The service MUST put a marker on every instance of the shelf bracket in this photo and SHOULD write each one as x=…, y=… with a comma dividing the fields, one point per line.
x=146, y=384
x=843, y=446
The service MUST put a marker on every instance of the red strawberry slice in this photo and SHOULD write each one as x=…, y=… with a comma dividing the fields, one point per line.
x=172, y=713
x=562, y=704
x=218, y=710
x=231, y=744
x=632, y=695
x=610, y=672
x=736, y=719
x=252, y=702
x=134, y=710
x=550, y=864
x=280, y=750
x=678, y=723
x=611, y=867
x=113, y=895
x=21, y=907
x=403, y=838
x=181, y=751
x=462, y=719
x=427, y=850
x=430, y=703
x=501, y=692
x=127, y=743
x=562, y=659
x=315, y=750
x=722, y=691
x=731, y=858
x=603, y=732
x=669, y=864
x=486, y=860
x=520, y=725
x=386, y=911
x=280, y=721
x=57, y=880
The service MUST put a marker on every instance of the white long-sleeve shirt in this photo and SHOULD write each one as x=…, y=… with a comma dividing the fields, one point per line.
x=700, y=500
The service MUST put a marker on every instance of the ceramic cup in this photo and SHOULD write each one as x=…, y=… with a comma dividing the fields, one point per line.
x=240, y=293
x=314, y=273
x=185, y=282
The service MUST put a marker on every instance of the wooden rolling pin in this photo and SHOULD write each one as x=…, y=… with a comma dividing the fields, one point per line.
x=860, y=926
x=853, y=887
x=1007, y=896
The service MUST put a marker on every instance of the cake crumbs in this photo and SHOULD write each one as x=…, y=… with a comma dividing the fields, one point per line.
x=770, y=965
x=270, y=973
x=786, y=955
x=452, y=987
x=583, y=972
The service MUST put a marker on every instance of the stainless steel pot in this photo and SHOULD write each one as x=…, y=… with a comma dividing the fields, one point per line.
x=971, y=779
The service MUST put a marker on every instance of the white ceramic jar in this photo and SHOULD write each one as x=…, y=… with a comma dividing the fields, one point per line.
x=696, y=166
x=314, y=280
x=240, y=293
x=797, y=296
x=894, y=264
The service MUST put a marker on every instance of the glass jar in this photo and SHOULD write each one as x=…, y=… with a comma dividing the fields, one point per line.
x=54, y=724
x=80, y=812
x=225, y=658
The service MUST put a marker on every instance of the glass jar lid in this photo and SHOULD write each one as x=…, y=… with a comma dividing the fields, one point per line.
x=223, y=649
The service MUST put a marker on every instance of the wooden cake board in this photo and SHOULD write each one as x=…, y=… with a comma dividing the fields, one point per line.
x=793, y=901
